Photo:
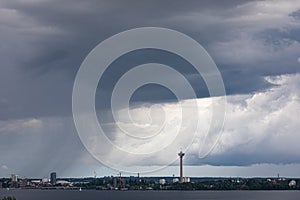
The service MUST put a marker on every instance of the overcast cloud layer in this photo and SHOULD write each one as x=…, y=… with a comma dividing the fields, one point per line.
x=42, y=44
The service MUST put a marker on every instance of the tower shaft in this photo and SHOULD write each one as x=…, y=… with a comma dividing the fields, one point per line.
x=181, y=171
x=181, y=154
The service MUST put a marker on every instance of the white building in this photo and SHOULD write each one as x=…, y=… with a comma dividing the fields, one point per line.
x=162, y=181
x=292, y=183
x=45, y=180
x=186, y=179
x=63, y=182
x=175, y=180
x=14, y=178
x=36, y=182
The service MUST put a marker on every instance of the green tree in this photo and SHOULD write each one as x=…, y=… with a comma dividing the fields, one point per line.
x=9, y=198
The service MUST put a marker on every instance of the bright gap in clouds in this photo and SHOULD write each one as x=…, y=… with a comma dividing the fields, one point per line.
x=259, y=128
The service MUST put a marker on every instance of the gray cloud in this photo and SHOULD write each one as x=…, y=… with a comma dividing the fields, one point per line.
x=50, y=39
x=43, y=43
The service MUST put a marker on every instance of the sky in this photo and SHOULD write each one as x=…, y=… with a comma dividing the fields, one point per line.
x=255, y=45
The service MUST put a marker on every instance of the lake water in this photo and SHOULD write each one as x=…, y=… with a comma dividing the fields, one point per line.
x=149, y=195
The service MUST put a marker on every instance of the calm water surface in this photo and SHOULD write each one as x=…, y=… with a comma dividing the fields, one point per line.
x=149, y=195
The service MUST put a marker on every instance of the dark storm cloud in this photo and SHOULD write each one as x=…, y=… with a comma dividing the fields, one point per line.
x=42, y=44
x=46, y=41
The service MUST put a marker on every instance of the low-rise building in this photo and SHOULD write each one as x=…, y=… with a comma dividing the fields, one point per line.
x=162, y=181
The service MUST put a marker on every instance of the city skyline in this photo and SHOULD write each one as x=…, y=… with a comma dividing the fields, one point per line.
x=254, y=44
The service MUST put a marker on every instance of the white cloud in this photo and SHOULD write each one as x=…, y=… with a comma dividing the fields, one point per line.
x=268, y=14
x=254, y=16
x=264, y=122
x=21, y=125
x=4, y=167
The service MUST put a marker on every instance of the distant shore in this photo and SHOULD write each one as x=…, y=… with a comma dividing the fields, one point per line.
x=154, y=183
